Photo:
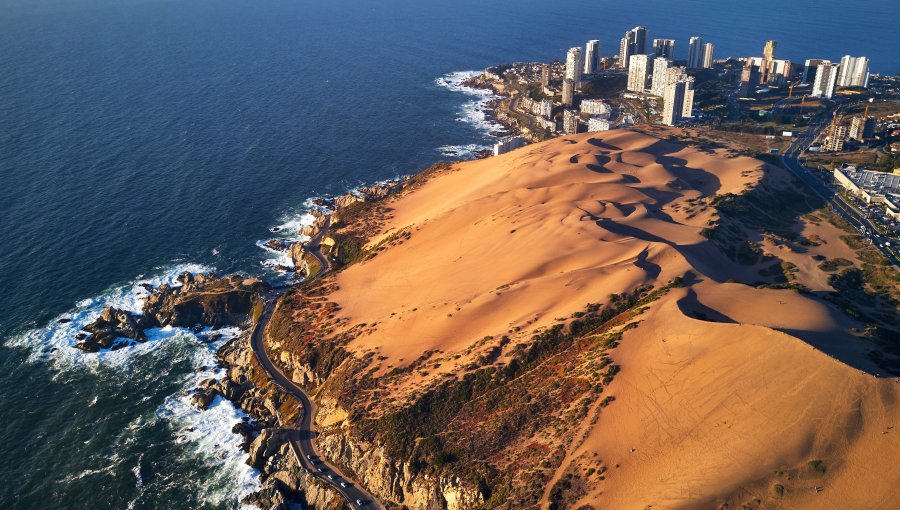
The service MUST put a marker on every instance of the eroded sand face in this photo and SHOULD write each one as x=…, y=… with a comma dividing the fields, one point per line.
x=713, y=409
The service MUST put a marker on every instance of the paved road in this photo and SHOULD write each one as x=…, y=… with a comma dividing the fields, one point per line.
x=302, y=443
x=791, y=160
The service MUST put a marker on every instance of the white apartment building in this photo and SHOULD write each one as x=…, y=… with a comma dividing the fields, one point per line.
x=574, y=66
x=708, y=50
x=591, y=56
x=854, y=72
x=595, y=107
x=658, y=81
x=598, y=124
x=809, y=69
x=695, y=52
x=638, y=72
x=664, y=48
x=779, y=71
x=634, y=42
x=826, y=77
x=508, y=143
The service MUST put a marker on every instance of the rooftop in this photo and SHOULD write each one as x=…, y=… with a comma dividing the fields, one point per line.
x=880, y=181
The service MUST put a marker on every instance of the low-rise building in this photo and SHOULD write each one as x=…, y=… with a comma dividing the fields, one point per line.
x=872, y=187
x=547, y=124
x=595, y=108
x=598, y=124
x=543, y=108
x=509, y=143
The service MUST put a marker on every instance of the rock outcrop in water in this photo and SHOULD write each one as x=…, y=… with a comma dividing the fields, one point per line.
x=199, y=301
x=112, y=325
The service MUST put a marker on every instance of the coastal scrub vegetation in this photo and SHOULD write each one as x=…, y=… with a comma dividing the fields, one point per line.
x=469, y=426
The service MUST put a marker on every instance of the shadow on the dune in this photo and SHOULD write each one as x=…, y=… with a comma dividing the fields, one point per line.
x=599, y=167
x=722, y=255
x=603, y=145
x=699, y=179
x=652, y=269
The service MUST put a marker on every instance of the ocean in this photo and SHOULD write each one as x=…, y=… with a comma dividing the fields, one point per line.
x=141, y=138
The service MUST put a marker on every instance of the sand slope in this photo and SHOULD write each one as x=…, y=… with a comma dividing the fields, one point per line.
x=565, y=221
x=716, y=410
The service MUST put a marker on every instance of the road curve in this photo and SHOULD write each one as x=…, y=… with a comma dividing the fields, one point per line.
x=302, y=442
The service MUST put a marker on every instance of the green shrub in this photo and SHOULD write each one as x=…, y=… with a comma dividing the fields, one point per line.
x=816, y=465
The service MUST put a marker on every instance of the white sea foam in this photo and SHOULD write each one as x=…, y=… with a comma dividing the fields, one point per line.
x=56, y=340
x=287, y=230
x=473, y=111
x=207, y=433
x=469, y=151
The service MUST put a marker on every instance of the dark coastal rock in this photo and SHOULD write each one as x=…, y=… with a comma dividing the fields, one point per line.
x=203, y=397
x=247, y=431
x=265, y=446
x=204, y=301
x=277, y=244
x=112, y=325
x=199, y=301
x=269, y=496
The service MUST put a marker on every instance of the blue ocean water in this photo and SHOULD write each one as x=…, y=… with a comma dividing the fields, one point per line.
x=142, y=137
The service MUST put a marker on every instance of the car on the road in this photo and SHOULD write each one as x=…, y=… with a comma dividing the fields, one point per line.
x=359, y=502
x=331, y=477
x=344, y=484
x=321, y=470
x=308, y=456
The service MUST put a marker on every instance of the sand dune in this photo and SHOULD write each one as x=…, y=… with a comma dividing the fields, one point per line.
x=530, y=223
x=715, y=410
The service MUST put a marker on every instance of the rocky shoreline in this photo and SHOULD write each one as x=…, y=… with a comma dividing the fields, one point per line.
x=267, y=432
x=200, y=301
x=205, y=303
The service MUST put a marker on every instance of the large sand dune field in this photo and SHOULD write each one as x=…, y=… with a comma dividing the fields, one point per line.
x=730, y=392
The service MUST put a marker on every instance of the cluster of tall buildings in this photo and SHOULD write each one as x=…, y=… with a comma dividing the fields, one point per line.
x=765, y=70
x=666, y=81
x=655, y=72
x=700, y=53
x=634, y=43
x=826, y=75
x=678, y=100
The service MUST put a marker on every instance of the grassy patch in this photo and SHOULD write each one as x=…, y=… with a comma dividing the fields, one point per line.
x=816, y=466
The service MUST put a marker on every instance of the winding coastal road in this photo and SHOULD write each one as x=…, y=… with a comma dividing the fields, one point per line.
x=302, y=441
